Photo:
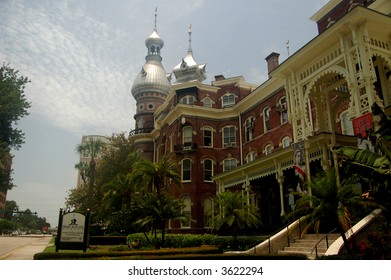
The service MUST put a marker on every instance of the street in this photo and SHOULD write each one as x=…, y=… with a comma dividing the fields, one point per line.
x=22, y=247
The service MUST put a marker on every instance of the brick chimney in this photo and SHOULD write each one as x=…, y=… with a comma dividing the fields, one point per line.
x=272, y=62
x=219, y=77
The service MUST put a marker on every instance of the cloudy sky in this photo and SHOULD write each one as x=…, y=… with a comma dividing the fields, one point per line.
x=83, y=55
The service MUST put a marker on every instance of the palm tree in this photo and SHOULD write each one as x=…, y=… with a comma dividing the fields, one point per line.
x=156, y=210
x=156, y=179
x=231, y=210
x=373, y=166
x=158, y=176
x=118, y=194
x=330, y=205
x=91, y=149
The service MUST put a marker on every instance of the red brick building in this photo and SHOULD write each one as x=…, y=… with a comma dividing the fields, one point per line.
x=233, y=134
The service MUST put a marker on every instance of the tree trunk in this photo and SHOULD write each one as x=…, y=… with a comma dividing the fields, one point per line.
x=92, y=182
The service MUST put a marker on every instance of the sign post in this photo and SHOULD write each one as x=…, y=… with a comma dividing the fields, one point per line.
x=72, y=231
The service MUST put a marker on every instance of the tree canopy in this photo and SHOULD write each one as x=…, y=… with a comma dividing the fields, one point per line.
x=13, y=106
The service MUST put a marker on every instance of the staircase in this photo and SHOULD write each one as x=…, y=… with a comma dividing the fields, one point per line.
x=306, y=244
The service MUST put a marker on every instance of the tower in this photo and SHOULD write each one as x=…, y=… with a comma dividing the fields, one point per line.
x=188, y=69
x=151, y=85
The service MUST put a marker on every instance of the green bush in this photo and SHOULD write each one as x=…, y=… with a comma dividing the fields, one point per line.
x=195, y=240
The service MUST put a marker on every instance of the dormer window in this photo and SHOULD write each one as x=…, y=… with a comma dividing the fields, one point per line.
x=228, y=100
x=189, y=100
x=207, y=102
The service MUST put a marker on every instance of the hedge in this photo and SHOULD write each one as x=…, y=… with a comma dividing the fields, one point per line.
x=194, y=240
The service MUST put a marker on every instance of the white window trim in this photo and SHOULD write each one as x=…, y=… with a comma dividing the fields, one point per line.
x=182, y=165
x=228, y=104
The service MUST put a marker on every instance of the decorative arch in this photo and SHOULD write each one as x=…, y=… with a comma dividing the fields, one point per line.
x=310, y=95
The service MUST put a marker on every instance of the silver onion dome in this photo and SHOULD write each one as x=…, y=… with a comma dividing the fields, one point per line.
x=152, y=76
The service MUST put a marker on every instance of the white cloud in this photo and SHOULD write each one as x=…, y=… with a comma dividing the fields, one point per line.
x=81, y=73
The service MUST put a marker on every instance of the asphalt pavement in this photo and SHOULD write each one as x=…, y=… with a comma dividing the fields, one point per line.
x=28, y=249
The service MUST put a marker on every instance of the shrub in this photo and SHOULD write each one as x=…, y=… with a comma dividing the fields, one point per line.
x=195, y=240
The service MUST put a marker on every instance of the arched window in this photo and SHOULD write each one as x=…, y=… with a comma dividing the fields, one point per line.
x=186, y=170
x=249, y=128
x=286, y=142
x=208, y=170
x=188, y=99
x=208, y=208
x=207, y=102
x=229, y=164
x=186, y=211
x=268, y=149
x=251, y=156
x=228, y=100
x=283, y=109
x=266, y=118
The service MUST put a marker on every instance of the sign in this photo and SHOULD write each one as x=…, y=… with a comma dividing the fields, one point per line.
x=361, y=124
x=73, y=227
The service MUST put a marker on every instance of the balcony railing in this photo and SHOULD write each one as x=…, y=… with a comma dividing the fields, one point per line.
x=185, y=148
x=140, y=130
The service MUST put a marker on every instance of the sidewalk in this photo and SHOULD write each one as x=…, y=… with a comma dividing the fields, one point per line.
x=28, y=251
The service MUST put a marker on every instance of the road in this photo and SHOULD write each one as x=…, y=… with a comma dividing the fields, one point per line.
x=22, y=247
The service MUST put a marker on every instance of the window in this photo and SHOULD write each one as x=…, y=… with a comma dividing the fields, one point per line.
x=207, y=102
x=282, y=107
x=186, y=170
x=249, y=127
x=266, y=118
x=268, y=149
x=171, y=143
x=229, y=164
x=228, y=100
x=250, y=156
x=208, y=136
x=187, y=136
x=286, y=142
x=229, y=137
x=208, y=170
x=346, y=124
x=186, y=211
x=189, y=100
x=208, y=207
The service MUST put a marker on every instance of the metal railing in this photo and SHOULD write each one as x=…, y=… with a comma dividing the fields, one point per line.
x=289, y=227
x=320, y=240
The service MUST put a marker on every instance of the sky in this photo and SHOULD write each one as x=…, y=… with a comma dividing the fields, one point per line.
x=83, y=55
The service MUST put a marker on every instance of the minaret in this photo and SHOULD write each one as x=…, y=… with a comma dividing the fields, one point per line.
x=188, y=69
x=151, y=85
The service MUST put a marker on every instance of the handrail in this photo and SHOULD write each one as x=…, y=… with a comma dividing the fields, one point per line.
x=280, y=229
x=317, y=243
x=327, y=235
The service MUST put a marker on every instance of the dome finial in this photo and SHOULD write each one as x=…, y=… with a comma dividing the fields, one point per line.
x=155, y=28
x=190, y=49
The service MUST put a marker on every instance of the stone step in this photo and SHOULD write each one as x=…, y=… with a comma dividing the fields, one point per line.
x=306, y=244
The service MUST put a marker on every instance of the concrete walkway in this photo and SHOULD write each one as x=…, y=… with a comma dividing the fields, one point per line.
x=27, y=251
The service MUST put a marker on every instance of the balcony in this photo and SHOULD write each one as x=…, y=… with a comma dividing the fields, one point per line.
x=140, y=131
x=185, y=149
